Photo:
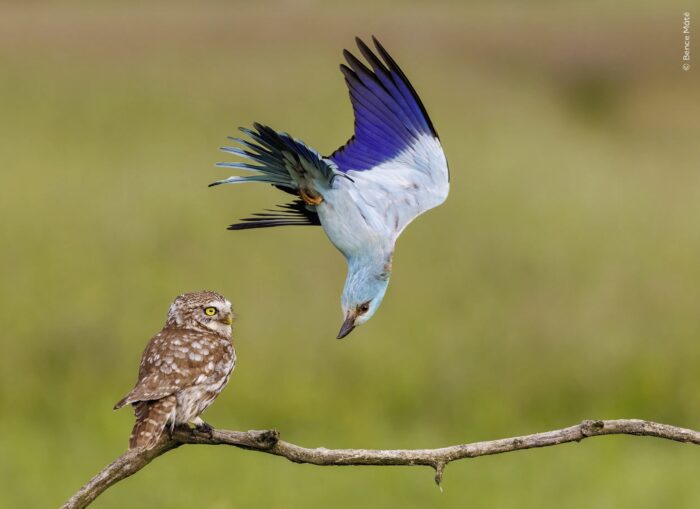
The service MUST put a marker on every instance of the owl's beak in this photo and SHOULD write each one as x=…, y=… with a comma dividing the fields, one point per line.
x=347, y=327
x=228, y=319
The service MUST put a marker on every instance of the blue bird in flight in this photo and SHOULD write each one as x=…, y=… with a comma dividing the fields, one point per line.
x=366, y=192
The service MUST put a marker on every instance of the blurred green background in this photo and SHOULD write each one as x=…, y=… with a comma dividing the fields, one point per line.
x=559, y=281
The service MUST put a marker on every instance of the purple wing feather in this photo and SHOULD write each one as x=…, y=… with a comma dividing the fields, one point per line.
x=389, y=115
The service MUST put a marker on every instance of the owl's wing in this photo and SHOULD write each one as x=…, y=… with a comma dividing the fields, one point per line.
x=153, y=382
x=150, y=388
x=173, y=360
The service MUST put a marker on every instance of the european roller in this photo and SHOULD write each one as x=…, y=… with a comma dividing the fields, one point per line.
x=366, y=192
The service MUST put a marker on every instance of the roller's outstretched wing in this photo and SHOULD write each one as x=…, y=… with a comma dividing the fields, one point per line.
x=288, y=164
x=395, y=150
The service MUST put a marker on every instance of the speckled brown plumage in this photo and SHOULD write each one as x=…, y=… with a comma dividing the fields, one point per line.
x=184, y=367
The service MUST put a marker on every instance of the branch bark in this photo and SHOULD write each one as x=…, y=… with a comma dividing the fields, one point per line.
x=268, y=442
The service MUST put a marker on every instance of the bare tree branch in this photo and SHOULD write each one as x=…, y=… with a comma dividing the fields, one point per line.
x=268, y=441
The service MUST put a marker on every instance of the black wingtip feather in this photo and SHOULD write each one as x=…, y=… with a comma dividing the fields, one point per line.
x=295, y=213
x=392, y=65
x=347, y=72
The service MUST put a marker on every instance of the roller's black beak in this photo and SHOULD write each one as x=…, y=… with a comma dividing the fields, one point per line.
x=347, y=327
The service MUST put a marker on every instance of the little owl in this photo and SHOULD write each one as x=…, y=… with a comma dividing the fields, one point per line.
x=184, y=367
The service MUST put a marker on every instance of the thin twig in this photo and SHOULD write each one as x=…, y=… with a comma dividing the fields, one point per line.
x=268, y=442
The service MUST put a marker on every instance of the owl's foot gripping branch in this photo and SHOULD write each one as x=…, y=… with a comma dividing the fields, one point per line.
x=268, y=442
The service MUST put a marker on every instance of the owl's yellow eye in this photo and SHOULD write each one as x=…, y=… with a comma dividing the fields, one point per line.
x=210, y=311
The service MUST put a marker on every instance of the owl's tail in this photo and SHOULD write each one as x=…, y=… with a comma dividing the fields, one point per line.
x=151, y=419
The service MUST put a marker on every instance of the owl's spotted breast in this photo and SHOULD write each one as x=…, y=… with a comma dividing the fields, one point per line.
x=193, y=400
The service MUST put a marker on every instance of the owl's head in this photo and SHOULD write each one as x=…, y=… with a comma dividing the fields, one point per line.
x=204, y=311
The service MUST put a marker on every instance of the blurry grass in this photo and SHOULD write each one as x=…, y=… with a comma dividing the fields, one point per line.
x=557, y=283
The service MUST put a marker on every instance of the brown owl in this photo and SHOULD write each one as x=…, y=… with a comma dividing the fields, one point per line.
x=184, y=367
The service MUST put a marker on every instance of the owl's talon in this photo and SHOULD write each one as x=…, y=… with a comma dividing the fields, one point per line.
x=205, y=428
x=172, y=428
